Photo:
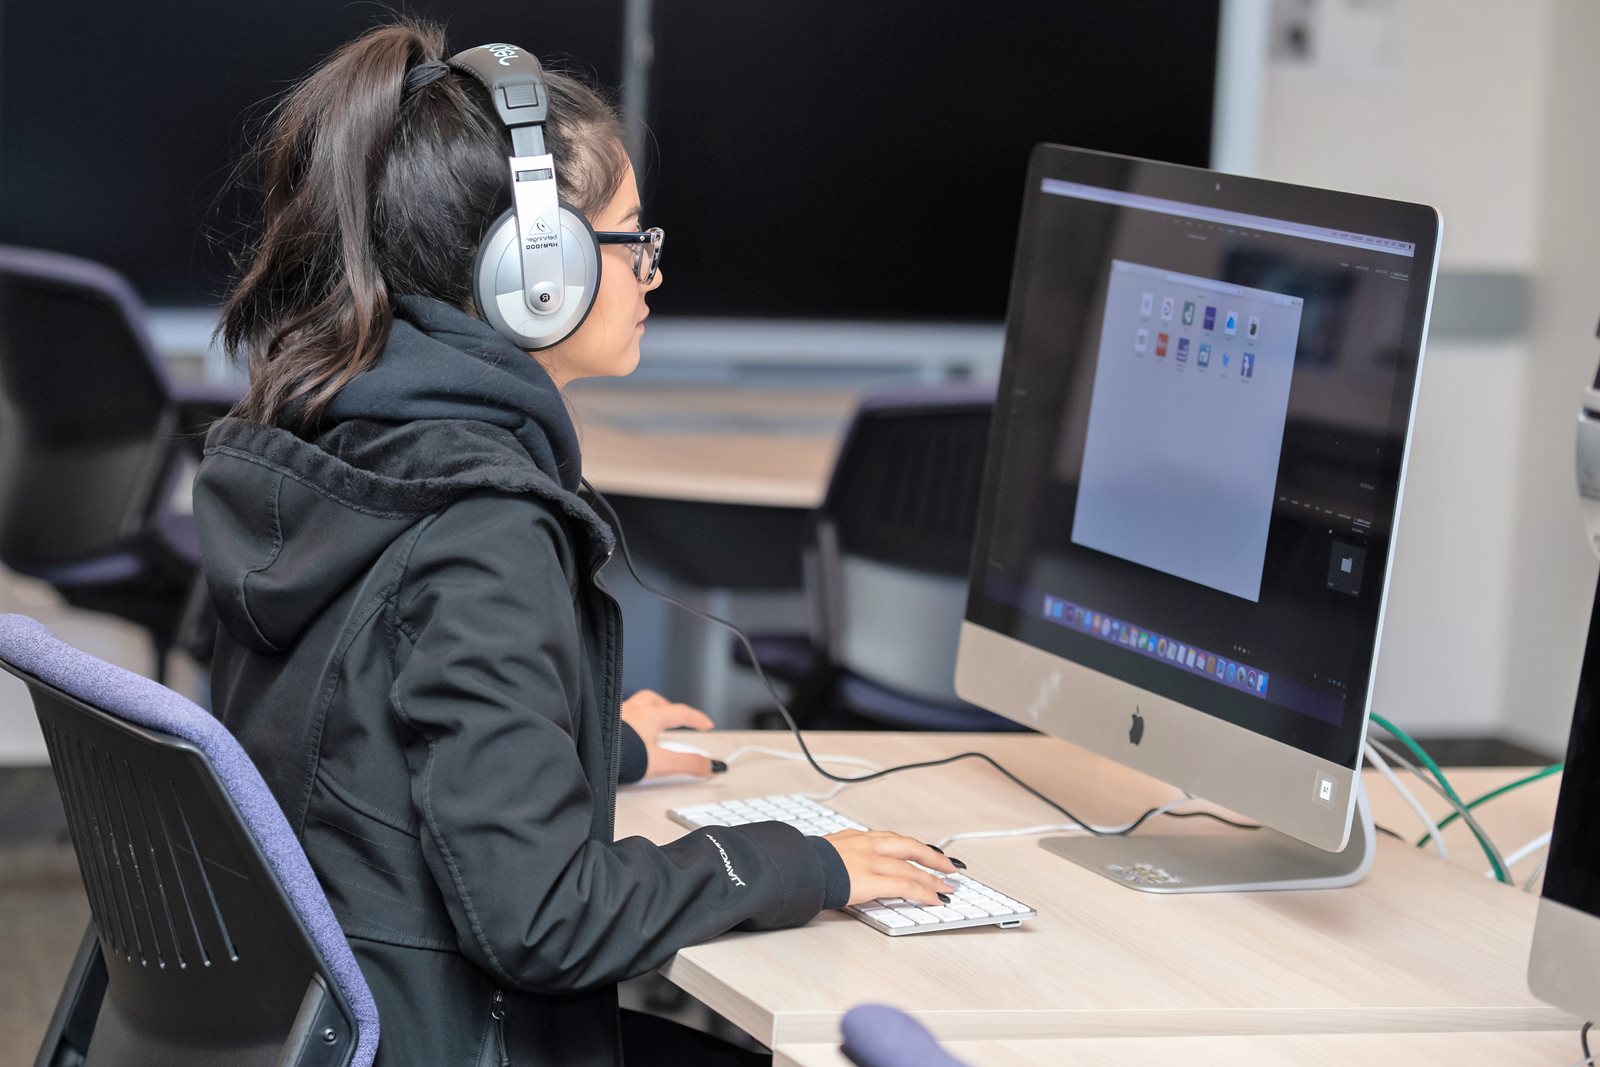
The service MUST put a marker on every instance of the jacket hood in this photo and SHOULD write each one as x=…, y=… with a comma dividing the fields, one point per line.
x=449, y=408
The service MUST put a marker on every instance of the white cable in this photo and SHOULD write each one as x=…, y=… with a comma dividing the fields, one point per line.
x=762, y=750
x=854, y=761
x=1050, y=828
x=970, y=835
x=829, y=795
x=1410, y=798
x=1516, y=856
x=1533, y=879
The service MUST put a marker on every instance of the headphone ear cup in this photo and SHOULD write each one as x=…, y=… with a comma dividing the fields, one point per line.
x=497, y=283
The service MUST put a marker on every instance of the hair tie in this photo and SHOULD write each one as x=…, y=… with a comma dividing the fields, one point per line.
x=423, y=75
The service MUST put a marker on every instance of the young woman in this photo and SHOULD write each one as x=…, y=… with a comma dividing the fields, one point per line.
x=414, y=645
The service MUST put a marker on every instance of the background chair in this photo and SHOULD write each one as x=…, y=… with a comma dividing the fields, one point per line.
x=97, y=445
x=876, y=1035
x=211, y=940
x=892, y=543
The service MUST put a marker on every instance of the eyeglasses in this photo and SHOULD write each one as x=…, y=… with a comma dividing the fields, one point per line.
x=641, y=241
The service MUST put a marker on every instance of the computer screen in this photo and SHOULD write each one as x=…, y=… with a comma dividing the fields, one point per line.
x=832, y=159
x=1196, y=458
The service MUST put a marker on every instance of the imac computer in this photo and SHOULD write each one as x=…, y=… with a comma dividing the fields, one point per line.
x=1193, y=478
x=1565, y=966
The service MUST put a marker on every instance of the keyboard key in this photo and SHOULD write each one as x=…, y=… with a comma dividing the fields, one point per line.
x=916, y=915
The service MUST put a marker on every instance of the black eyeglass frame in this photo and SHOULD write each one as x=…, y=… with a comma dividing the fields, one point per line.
x=653, y=237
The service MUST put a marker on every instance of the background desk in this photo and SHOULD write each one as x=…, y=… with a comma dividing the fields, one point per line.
x=714, y=487
x=1419, y=946
x=727, y=445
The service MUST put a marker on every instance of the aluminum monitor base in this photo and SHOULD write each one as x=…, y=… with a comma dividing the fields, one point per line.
x=1238, y=861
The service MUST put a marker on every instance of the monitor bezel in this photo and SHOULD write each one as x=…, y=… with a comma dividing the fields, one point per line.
x=1181, y=744
x=1566, y=937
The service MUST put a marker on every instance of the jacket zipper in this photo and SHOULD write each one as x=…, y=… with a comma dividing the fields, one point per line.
x=614, y=626
x=498, y=1013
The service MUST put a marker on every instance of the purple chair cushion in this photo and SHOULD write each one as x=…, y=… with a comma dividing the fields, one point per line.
x=876, y=1035
x=27, y=645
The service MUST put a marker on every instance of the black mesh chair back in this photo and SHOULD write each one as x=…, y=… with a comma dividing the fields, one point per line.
x=85, y=421
x=894, y=542
x=906, y=482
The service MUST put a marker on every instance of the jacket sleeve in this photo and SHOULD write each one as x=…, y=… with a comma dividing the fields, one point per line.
x=487, y=694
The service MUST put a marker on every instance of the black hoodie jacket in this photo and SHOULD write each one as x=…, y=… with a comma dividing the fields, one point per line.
x=416, y=650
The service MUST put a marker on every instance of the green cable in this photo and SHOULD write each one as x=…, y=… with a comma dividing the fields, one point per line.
x=1554, y=768
x=1500, y=872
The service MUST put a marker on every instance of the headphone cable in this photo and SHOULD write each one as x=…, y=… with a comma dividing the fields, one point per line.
x=794, y=728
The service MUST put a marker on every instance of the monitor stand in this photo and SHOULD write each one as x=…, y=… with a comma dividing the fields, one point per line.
x=1237, y=861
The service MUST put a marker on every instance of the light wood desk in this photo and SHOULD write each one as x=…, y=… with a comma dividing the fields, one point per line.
x=764, y=447
x=1419, y=946
x=1543, y=1048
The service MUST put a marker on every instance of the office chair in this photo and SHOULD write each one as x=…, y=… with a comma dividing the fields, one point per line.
x=211, y=941
x=876, y=1035
x=893, y=544
x=96, y=444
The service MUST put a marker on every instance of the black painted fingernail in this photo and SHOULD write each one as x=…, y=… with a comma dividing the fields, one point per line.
x=958, y=864
x=942, y=897
x=937, y=849
x=718, y=767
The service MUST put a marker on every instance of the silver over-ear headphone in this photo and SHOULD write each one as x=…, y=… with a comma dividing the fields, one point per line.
x=538, y=269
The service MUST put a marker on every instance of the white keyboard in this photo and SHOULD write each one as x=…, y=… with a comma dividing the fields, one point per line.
x=972, y=904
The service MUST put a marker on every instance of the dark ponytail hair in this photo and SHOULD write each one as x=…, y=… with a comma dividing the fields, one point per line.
x=370, y=191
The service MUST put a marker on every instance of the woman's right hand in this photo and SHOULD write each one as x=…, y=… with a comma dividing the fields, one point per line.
x=879, y=866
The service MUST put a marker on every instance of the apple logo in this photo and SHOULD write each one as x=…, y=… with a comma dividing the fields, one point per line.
x=1136, y=729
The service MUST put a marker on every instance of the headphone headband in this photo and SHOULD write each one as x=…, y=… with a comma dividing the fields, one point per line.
x=515, y=81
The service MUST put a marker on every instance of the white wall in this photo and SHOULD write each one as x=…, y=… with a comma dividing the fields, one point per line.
x=1553, y=572
x=1457, y=114
x=1454, y=121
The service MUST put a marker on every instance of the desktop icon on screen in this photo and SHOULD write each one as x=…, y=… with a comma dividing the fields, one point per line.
x=1205, y=355
x=1166, y=309
x=1183, y=350
x=1146, y=302
x=1210, y=322
x=1141, y=340
x=1233, y=672
x=1255, y=327
x=1189, y=659
x=1161, y=344
x=1247, y=365
x=1261, y=683
x=1188, y=312
x=1224, y=359
x=1230, y=325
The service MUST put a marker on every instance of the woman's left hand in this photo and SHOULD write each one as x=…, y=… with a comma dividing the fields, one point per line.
x=650, y=713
